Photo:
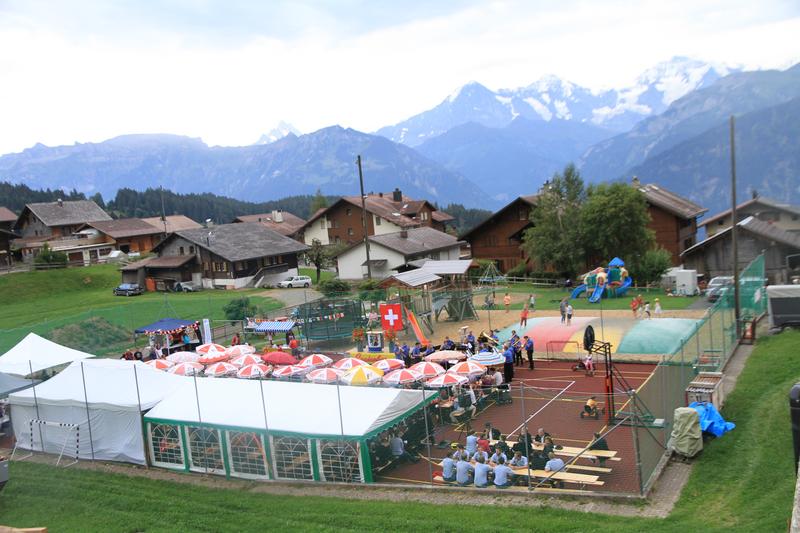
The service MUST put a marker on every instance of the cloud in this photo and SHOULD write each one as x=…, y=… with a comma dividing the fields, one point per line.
x=227, y=72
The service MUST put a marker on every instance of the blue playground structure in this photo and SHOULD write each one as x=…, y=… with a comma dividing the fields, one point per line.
x=612, y=281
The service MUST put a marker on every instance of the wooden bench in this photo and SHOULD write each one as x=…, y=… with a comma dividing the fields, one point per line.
x=566, y=477
x=601, y=469
x=569, y=451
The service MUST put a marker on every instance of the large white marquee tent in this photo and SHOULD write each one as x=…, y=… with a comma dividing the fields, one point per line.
x=34, y=353
x=116, y=393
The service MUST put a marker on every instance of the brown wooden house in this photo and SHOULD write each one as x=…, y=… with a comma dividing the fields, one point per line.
x=673, y=218
x=782, y=215
x=128, y=234
x=228, y=256
x=499, y=237
x=341, y=222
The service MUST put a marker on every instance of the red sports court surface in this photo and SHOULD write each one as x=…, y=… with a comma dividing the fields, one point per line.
x=560, y=417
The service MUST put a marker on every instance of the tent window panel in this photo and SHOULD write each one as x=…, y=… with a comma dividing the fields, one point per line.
x=340, y=461
x=247, y=455
x=205, y=451
x=291, y=458
x=165, y=445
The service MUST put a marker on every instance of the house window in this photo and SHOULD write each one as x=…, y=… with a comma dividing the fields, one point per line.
x=206, y=266
x=348, y=211
x=280, y=259
x=180, y=250
x=191, y=250
x=238, y=265
x=377, y=221
x=523, y=214
x=424, y=215
x=323, y=224
x=220, y=266
x=720, y=223
x=337, y=240
x=349, y=231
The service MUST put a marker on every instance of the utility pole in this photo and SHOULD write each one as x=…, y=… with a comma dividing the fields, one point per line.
x=163, y=211
x=734, y=243
x=364, y=216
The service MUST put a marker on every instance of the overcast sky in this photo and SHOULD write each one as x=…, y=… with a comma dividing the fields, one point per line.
x=228, y=71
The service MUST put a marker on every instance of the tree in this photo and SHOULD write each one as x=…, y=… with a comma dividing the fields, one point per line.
x=370, y=290
x=334, y=287
x=555, y=240
x=48, y=257
x=614, y=222
x=651, y=266
x=238, y=309
x=319, y=256
x=318, y=202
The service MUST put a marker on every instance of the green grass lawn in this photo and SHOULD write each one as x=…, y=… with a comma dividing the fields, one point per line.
x=741, y=482
x=312, y=273
x=41, y=301
x=548, y=299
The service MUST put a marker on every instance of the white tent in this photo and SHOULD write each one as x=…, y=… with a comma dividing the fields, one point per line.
x=115, y=403
x=275, y=429
x=37, y=353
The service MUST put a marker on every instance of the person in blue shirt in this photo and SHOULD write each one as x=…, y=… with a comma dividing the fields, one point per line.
x=508, y=365
x=516, y=345
x=497, y=457
x=449, y=470
x=472, y=443
x=429, y=350
x=503, y=475
x=528, y=346
x=448, y=344
x=471, y=339
x=482, y=473
x=480, y=454
x=416, y=353
x=518, y=461
x=555, y=464
x=464, y=471
x=406, y=350
x=398, y=354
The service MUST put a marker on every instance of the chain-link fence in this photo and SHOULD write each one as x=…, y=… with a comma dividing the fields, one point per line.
x=706, y=349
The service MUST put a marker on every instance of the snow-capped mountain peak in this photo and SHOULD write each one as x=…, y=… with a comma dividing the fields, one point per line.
x=281, y=130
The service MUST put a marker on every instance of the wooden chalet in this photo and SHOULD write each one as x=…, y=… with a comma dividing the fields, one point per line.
x=781, y=215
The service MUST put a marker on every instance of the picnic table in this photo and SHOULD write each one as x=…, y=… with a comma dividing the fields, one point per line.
x=569, y=451
x=566, y=477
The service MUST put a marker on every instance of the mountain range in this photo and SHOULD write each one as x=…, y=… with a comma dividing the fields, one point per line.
x=289, y=166
x=551, y=98
x=479, y=147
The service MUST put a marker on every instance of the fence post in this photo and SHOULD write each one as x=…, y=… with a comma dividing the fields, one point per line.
x=635, y=431
x=36, y=404
x=88, y=418
x=141, y=417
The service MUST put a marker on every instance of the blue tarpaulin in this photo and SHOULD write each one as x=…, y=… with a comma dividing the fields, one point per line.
x=274, y=326
x=710, y=419
x=166, y=324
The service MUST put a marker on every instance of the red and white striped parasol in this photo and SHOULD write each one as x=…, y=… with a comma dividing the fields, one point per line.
x=204, y=349
x=218, y=370
x=402, y=376
x=290, y=371
x=468, y=368
x=324, y=375
x=446, y=380
x=253, y=371
x=428, y=370
x=160, y=364
x=186, y=369
x=213, y=357
x=445, y=355
x=279, y=358
x=388, y=365
x=315, y=360
x=246, y=359
x=239, y=350
x=362, y=375
x=348, y=362
x=183, y=357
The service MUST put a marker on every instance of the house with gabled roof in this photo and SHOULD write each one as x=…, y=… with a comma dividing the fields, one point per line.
x=341, y=222
x=390, y=252
x=499, y=237
x=673, y=218
x=779, y=214
x=714, y=255
x=228, y=256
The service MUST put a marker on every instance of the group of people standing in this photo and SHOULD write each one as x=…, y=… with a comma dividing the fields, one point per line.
x=641, y=307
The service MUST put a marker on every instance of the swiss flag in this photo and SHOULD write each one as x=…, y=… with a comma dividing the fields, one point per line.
x=391, y=317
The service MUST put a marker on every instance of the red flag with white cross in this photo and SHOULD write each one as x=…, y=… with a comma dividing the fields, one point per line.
x=391, y=317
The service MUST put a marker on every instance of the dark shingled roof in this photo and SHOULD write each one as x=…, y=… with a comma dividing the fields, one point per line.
x=7, y=215
x=529, y=199
x=757, y=200
x=403, y=213
x=125, y=227
x=441, y=216
x=418, y=240
x=242, y=241
x=68, y=213
x=762, y=229
x=670, y=201
x=288, y=226
x=174, y=223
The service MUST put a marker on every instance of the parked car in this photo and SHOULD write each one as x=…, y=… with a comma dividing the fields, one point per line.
x=719, y=281
x=128, y=289
x=714, y=294
x=187, y=286
x=295, y=281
